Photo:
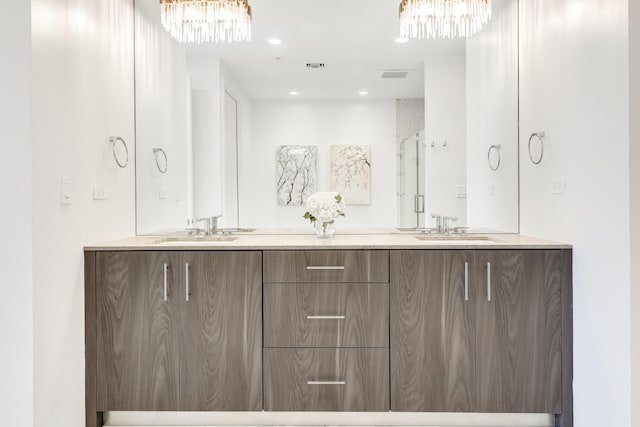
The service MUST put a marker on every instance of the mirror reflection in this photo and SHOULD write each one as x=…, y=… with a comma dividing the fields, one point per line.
x=403, y=129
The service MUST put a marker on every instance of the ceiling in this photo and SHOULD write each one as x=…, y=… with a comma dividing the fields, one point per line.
x=355, y=39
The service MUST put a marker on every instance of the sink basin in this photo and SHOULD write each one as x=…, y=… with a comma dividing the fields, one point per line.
x=236, y=230
x=457, y=238
x=193, y=239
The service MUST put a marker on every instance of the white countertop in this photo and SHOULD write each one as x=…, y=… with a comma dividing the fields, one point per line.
x=347, y=239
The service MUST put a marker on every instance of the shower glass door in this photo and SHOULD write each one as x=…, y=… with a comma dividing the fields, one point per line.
x=411, y=182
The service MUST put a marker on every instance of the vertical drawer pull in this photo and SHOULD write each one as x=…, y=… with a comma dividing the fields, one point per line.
x=325, y=267
x=165, y=283
x=488, y=281
x=186, y=282
x=326, y=317
x=326, y=382
x=466, y=281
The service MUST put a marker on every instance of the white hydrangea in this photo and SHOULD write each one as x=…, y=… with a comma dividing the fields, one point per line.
x=325, y=207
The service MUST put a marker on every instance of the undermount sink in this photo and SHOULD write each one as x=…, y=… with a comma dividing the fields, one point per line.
x=457, y=237
x=236, y=230
x=193, y=239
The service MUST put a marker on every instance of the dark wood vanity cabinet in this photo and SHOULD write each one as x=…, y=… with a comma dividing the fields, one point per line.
x=480, y=331
x=176, y=331
x=344, y=330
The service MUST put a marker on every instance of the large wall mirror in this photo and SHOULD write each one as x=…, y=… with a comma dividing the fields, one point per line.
x=247, y=130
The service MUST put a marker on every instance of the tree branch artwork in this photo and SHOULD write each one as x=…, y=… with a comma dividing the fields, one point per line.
x=295, y=173
x=351, y=173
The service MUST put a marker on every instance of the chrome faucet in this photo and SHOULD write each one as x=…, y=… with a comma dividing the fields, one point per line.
x=210, y=224
x=438, y=219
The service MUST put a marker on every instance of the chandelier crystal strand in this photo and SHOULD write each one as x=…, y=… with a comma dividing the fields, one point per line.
x=199, y=21
x=443, y=18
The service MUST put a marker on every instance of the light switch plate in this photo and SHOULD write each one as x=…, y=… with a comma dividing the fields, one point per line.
x=66, y=193
x=461, y=191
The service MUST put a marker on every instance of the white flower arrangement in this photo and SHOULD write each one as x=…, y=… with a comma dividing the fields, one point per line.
x=324, y=207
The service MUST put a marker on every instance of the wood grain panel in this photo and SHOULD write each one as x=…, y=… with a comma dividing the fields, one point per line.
x=220, y=332
x=364, y=371
x=432, y=332
x=137, y=354
x=93, y=418
x=359, y=266
x=519, y=358
x=365, y=308
x=565, y=418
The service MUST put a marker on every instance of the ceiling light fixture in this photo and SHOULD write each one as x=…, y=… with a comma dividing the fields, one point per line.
x=274, y=41
x=198, y=21
x=443, y=18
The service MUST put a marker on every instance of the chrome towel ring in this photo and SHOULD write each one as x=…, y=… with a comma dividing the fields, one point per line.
x=114, y=140
x=540, y=136
x=498, y=150
x=156, y=153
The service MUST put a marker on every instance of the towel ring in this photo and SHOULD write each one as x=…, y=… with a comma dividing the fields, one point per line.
x=497, y=149
x=540, y=136
x=114, y=140
x=157, y=151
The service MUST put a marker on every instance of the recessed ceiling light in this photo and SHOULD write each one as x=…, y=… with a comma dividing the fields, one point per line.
x=274, y=41
x=363, y=92
x=294, y=93
x=402, y=40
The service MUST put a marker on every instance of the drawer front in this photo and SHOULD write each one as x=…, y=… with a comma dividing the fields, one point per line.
x=326, y=266
x=326, y=315
x=304, y=379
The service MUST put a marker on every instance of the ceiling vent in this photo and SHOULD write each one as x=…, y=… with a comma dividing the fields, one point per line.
x=315, y=65
x=394, y=74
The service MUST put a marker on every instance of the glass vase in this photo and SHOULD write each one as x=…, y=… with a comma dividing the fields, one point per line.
x=325, y=230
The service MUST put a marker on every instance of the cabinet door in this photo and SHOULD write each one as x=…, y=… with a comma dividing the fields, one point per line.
x=519, y=331
x=137, y=356
x=432, y=331
x=220, y=331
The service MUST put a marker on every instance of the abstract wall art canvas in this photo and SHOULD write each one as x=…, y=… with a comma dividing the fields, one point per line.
x=351, y=173
x=296, y=167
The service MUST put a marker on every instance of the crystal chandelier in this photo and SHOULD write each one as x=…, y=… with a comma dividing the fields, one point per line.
x=198, y=21
x=443, y=18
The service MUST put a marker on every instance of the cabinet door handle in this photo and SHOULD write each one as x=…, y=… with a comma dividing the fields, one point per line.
x=325, y=267
x=166, y=280
x=326, y=317
x=466, y=281
x=186, y=282
x=488, y=281
x=326, y=382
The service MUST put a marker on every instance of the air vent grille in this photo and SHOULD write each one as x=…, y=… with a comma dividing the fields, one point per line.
x=315, y=65
x=394, y=74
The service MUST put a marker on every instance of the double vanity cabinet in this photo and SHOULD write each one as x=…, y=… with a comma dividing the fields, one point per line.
x=394, y=328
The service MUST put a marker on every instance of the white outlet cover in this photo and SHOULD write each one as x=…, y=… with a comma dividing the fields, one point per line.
x=99, y=192
x=461, y=191
x=559, y=186
x=162, y=193
x=491, y=190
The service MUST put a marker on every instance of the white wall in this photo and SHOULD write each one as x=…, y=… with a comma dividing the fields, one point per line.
x=492, y=119
x=445, y=120
x=634, y=122
x=574, y=86
x=321, y=123
x=16, y=304
x=161, y=122
x=82, y=85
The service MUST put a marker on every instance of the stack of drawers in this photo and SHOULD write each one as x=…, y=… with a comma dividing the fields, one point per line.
x=326, y=330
